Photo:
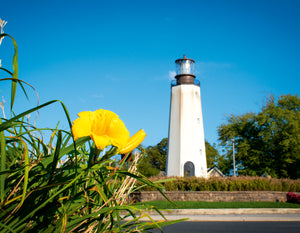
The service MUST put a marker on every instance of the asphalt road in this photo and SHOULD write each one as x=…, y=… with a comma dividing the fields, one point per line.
x=232, y=227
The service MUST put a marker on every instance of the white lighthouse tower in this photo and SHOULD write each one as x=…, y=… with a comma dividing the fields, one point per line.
x=186, y=152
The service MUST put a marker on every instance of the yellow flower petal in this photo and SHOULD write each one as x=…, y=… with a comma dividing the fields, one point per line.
x=87, y=114
x=133, y=142
x=101, y=141
x=82, y=126
x=118, y=133
x=107, y=123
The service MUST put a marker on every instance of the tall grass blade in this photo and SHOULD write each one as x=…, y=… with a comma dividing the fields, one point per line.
x=145, y=181
x=26, y=172
x=3, y=164
x=15, y=70
x=7, y=124
x=56, y=155
x=70, y=149
x=6, y=70
x=20, y=82
x=47, y=201
x=6, y=228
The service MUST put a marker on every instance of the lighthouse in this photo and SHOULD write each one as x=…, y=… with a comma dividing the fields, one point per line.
x=186, y=147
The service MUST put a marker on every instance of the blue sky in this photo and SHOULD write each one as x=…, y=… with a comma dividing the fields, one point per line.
x=119, y=55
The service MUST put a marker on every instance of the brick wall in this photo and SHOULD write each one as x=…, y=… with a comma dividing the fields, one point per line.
x=211, y=196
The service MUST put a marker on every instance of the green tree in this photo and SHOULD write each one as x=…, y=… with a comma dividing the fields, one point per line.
x=145, y=167
x=267, y=142
x=155, y=158
x=225, y=160
x=158, y=154
x=212, y=154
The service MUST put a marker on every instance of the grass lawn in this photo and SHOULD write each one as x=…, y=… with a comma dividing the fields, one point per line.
x=219, y=205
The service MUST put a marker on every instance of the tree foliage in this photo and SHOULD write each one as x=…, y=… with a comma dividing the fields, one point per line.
x=158, y=154
x=267, y=142
x=145, y=167
x=155, y=158
x=212, y=154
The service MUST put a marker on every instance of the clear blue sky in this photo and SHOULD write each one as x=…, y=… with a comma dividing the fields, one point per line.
x=118, y=55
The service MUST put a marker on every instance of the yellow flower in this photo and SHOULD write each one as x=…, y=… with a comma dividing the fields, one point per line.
x=105, y=128
x=133, y=142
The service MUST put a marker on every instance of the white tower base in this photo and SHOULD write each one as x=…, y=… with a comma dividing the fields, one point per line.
x=186, y=153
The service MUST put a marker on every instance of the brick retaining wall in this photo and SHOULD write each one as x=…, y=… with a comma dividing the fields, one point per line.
x=212, y=196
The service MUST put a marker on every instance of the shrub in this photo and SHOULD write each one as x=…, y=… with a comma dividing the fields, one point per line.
x=293, y=197
x=242, y=183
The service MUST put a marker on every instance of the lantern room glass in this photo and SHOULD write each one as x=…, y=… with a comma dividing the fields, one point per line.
x=184, y=66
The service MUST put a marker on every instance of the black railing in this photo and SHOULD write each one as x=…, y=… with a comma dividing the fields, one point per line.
x=174, y=83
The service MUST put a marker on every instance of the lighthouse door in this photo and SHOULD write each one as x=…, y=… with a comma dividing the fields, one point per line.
x=189, y=169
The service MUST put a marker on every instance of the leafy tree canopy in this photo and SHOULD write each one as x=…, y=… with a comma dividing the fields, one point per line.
x=212, y=154
x=267, y=142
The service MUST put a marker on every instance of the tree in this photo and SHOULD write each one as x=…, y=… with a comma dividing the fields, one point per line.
x=158, y=154
x=267, y=142
x=154, y=159
x=212, y=154
x=145, y=168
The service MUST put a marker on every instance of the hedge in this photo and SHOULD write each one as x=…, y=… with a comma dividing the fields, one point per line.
x=241, y=183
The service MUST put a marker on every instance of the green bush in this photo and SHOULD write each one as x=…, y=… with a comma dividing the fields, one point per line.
x=242, y=183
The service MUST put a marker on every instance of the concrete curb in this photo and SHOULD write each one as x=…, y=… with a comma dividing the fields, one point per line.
x=229, y=211
x=231, y=218
x=229, y=215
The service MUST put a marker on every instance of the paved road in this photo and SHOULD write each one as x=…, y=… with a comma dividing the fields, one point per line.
x=232, y=227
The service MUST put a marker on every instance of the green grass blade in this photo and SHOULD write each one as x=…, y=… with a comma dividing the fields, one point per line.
x=15, y=71
x=146, y=181
x=66, y=139
x=24, y=91
x=48, y=200
x=6, y=228
x=6, y=70
x=56, y=152
x=7, y=124
x=26, y=172
x=20, y=82
x=3, y=164
x=70, y=148
x=154, y=225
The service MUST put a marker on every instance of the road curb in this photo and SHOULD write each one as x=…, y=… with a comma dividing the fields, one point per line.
x=229, y=211
x=228, y=215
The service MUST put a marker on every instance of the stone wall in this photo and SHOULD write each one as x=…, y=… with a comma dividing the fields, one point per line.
x=212, y=196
